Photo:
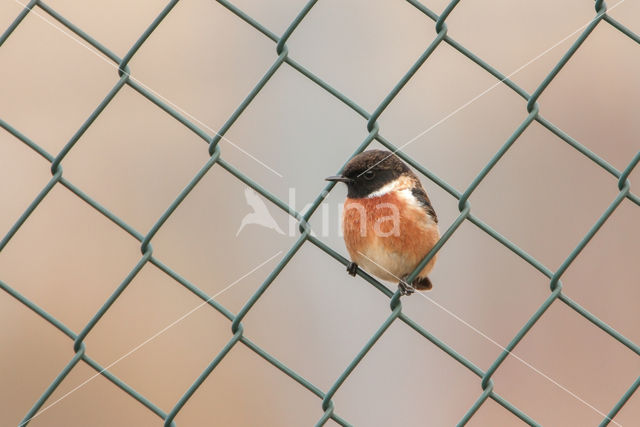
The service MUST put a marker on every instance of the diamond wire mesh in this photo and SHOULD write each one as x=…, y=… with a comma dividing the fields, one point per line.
x=556, y=294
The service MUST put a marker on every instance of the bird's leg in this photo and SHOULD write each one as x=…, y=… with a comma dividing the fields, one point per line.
x=352, y=268
x=405, y=288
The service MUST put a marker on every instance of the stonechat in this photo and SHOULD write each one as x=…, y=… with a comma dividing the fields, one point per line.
x=388, y=222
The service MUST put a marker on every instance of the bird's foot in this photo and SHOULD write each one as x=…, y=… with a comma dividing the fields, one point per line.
x=405, y=288
x=352, y=268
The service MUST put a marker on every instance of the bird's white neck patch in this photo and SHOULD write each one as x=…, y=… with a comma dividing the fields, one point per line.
x=394, y=185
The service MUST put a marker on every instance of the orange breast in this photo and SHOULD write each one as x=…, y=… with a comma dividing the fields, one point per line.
x=389, y=234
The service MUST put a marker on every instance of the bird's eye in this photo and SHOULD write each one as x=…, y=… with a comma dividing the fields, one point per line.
x=368, y=175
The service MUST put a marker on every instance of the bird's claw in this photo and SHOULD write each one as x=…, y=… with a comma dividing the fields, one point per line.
x=405, y=288
x=352, y=268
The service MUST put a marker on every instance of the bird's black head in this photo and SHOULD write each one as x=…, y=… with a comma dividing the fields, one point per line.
x=370, y=171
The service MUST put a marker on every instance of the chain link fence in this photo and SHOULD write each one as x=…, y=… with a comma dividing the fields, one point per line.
x=216, y=160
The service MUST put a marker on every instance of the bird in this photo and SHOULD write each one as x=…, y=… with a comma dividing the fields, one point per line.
x=260, y=214
x=388, y=222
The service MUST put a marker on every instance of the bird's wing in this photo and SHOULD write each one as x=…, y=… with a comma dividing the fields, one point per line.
x=251, y=196
x=254, y=200
x=260, y=210
x=419, y=193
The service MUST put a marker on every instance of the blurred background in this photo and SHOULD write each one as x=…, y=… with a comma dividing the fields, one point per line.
x=135, y=159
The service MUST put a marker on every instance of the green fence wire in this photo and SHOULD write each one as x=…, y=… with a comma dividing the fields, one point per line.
x=282, y=57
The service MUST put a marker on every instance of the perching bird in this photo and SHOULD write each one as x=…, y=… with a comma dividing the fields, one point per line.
x=388, y=222
x=260, y=214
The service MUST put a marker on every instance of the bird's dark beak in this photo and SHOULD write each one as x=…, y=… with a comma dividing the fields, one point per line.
x=339, y=178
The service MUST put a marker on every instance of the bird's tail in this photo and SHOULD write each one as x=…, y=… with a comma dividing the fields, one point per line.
x=422, y=284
